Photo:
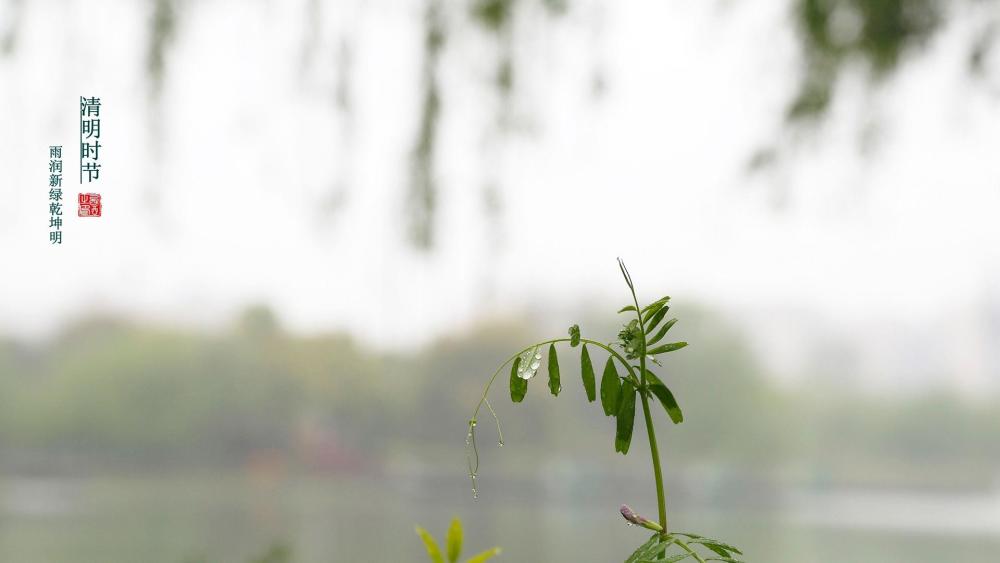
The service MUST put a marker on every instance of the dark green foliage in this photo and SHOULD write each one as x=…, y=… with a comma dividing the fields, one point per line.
x=610, y=388
x=518, y=385
x=661, y=333
x=554, y=384
x=587, y=372
x=625, y=417
x=653, y=307
x=493, y=14
x=655, y=318
x=667, y=348
x=885, y=30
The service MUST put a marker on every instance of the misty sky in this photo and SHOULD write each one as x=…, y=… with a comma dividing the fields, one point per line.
x=258, y=189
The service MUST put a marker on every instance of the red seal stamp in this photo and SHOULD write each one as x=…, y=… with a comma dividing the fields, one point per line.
x=90, y=205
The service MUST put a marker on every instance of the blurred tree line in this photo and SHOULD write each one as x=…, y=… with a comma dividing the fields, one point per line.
x=108, y=395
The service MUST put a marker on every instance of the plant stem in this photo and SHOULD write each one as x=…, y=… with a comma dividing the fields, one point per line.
x=661, y=502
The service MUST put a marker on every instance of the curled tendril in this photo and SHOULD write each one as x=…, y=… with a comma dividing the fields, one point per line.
x=472, y=451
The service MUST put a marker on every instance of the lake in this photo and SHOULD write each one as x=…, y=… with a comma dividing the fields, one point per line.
x=222, y=518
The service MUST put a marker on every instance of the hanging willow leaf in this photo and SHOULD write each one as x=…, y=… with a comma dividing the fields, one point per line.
x=610, y=388
x=587, y=371
x=655, y=319
x=574, y=336
x=626, y=418
x=667, y=348
x=663, y=332
x=554, y=385
x=518, y=385
x=627, y=308
x=666, y=398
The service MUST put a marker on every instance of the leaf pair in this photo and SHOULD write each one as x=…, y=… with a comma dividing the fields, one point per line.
x=453, y=545
x=625, y=417
x=618, y=400
x=519, y=385
x=654, y=314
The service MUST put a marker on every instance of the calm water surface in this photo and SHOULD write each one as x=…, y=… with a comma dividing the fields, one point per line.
x=366, y=519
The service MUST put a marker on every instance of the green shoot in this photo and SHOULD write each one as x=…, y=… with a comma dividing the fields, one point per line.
x=625, y=377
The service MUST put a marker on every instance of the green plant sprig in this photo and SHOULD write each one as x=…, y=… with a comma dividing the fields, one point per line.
x=638, y=344
x=453, y=546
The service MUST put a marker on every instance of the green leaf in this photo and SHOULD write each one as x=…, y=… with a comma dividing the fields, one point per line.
x=667, y=348
x=653, y=308
x=574, y=336
x=483, y=556
x=610, y=388
x=554, y=385
x=652, y=549
x=645, y=550
x=433, y=551
x=663, y=332
x=518, y=385
x=655, y=319
x=695, y=538
x=454, y=540
x=666, y=398
x=669, y=403
x=587, y=370
x=655, y=305
x=626, y=417
x=718, y=550
x=627, y=308
x=672, y=558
